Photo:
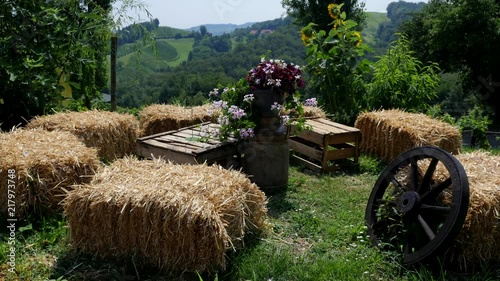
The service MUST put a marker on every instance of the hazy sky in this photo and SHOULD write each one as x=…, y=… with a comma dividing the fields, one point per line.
x=189, y=13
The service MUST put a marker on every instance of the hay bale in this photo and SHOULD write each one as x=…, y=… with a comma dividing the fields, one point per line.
x=173, y=217
x=314, y=112
x=477, y=244
x=113, y=134
x=46, y=164
x=388, y=133
x=160, y=118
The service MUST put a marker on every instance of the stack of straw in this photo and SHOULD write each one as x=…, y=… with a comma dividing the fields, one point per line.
x=173, y=217
x=477, y=244
x=160, y=118
x=388, y=133
x=45, y=166
x=113, y=134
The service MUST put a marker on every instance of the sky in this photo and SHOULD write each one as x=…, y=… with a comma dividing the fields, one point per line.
x=189, y=13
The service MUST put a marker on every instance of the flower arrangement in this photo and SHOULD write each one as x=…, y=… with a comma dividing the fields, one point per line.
x=275, y=75
x=233, y=105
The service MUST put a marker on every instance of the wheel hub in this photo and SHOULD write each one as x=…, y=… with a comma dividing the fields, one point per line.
x=408, y=202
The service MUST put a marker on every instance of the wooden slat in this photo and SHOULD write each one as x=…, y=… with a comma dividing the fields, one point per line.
x=312, y=136
x=147, y=151
x=182, y=140
x=168, y=146
x=306, y=150
x=307, y=163
x=337, y=125
x=344, y=138
x=340, y=154
x=324, y=128
x=210, y=141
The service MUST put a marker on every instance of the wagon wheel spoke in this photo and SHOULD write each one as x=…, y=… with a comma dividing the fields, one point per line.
x=435, y=208
x=436, y=190
x=427, y=229
x=410, y=211
x=426, y=181
x=414, y=174
x=386, y=202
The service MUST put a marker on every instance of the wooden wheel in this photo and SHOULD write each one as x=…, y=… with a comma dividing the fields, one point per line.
x=418, y=204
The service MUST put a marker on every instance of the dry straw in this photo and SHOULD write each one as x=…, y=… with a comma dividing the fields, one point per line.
x=46, y=165
x=388, y=133
x=113, y=134
x=477, y=243
x=173, y=217
x=160, y=118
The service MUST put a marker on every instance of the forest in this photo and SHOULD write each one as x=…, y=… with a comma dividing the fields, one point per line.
x=415, y=60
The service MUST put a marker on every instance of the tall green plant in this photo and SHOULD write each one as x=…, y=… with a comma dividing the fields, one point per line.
x=401, y=81
x=335, y=66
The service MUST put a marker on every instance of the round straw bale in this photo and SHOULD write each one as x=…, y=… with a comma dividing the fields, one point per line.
x=388, y=133
x=160, y=118
x=113, y=134
x=173, y=217
x=39, y=167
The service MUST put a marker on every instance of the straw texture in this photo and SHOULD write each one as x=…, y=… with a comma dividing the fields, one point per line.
x=46, y=166
x=173, y=217
x=388, y=133
x=113, y=134
x=160, y=118
x=477, y=243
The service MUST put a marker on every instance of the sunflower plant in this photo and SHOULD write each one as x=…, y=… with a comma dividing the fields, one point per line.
x=334, y=64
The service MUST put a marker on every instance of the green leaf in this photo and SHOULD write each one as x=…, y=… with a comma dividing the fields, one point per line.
x=74, y=85
x=26, y=228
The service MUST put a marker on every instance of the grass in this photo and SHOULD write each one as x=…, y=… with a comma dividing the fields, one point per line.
x=318, y=234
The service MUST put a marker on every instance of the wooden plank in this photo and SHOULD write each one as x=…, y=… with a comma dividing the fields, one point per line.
x=337, y=125
x=182, y=140
x=167, y=146
x=307, y=163
x=343, y=138
x=340, y=154
x=211, y=141
x=172, y=131
x=324, y=128
x=148, y=151
x=311, y=136
x=170, y=141
x=222, y=152
x=306, y=150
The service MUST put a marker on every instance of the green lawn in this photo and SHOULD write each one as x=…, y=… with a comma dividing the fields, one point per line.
x=318, y=234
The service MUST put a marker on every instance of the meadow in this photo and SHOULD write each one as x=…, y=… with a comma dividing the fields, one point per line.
x=318, y=233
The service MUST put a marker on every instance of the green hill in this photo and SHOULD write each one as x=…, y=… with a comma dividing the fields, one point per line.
x=373, y=20
x=170, y=53
x=169, y=32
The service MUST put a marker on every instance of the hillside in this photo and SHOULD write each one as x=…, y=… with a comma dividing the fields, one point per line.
x=373, y=20
x=219, y=29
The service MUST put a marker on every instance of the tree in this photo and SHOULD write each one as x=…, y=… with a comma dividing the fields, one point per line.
x=307, y=11
x=40, y=42
x=461, y=36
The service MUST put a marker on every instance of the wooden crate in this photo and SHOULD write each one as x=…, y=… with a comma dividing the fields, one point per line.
x=183, y=146
x=324, y=144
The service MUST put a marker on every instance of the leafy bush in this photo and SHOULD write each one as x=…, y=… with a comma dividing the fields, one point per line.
x=402, y=81
x=333, y=62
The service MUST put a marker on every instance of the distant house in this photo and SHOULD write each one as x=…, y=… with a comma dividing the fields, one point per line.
x=266, y=31
x=253, y=32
